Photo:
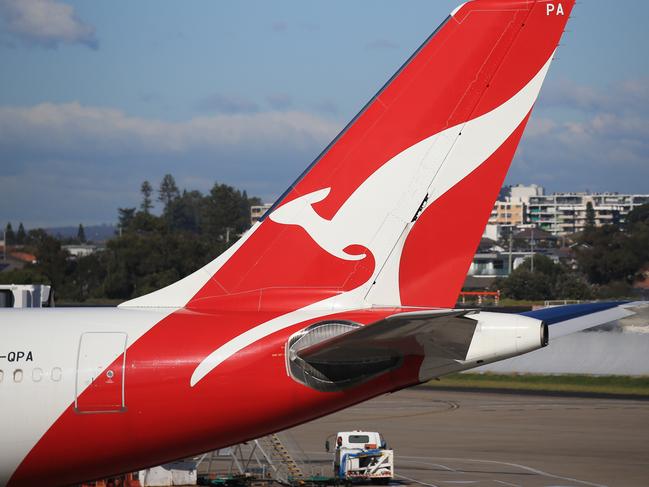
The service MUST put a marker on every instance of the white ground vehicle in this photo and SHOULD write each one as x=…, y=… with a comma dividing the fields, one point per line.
x=362, y=456
x=26, y=296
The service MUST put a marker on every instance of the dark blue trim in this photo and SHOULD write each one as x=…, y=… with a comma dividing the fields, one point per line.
x=363, y=453
x=341, y=467
x=558, y=314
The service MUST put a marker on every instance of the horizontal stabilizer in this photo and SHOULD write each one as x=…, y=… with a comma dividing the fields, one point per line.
x=446, y=334
x=332, y=355
x=564, y=320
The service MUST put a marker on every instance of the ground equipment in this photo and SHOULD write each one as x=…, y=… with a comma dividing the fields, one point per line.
x=362, y=456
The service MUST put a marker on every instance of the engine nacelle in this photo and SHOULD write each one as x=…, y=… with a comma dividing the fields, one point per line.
x=499, y=336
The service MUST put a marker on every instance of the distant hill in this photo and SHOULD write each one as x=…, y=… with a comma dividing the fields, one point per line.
x=94, y=233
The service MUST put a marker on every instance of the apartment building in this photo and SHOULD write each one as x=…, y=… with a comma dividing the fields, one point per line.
x=506, y=213
x=520, y=193
x=565, y=213
x=257, y=211
x=559, y=213
x=509, y=211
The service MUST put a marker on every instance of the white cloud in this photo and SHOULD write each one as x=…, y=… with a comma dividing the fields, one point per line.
x=584, y=138
x=46, y=23
x=567, y=93
x=76, y=129
x=62, y=162
x=631, y=95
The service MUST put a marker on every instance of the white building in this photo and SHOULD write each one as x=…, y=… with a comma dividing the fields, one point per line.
x=565, y=213
x=560, y=213
x=80, y=250
x=26, y=296
x=510, y=212
x=507, y=213
x=492, y=231
x=497, y=263
x=521, y=194
x=257, y=211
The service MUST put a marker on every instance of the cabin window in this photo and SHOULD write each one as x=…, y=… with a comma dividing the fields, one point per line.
x=6, y=298
x=359, y=439
x=2, y=375
x=18, y=375
x=56, y=374
x=37, y=374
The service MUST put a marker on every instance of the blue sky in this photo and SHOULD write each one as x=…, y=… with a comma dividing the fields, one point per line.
x=95, y=97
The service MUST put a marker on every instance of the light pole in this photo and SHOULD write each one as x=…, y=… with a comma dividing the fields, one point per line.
x=511, y=233
x=532, y=250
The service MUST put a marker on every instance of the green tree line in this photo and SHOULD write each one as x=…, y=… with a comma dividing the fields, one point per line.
x=149, y=251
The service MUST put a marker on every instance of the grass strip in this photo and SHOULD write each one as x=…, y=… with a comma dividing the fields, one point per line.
x=615, y=384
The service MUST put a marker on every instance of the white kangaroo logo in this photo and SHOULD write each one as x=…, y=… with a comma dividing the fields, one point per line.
x=383, y=204
x=328, y=234
x=376, y=214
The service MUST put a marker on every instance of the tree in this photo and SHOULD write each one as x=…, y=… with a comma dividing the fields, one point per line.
x=571, y=286
x=524, y=284
x=85, y=278
x=610, y=253
x=254, y=201
x=21, y=235
x=81, y=234
x=10, y=236
x=168, y=191
x=52, y=260
x=147, y=190
x=548, y=281
x=125, y=218
x=590, y=215
x=226, y=209
x=637, y=228
x=184, y=213
x=36, y=235
x=150, y=251
x=543, y=265
x=640, y=214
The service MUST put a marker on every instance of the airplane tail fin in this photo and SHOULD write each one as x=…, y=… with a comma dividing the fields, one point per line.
x=393, y=209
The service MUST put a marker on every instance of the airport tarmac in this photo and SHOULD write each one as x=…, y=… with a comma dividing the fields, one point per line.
x=451, y=438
